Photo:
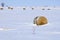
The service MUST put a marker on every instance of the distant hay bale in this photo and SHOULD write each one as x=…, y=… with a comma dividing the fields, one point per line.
x=1, y=8
x=24, y=8
x=40, y=20
x=10, y=8
x=32, y=8
x=43, y=9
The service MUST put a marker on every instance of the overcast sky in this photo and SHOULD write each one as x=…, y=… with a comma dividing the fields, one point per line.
x=31, y=2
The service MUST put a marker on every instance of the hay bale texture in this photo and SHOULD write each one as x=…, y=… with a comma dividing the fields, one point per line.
x=40, y=20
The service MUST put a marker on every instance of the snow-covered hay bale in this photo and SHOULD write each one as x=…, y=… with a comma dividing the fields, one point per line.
x=40, y=20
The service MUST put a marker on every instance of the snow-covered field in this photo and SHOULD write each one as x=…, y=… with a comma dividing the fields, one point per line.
x=17, y=24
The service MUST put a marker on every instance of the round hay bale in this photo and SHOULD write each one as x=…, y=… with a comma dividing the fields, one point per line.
x=40, y=20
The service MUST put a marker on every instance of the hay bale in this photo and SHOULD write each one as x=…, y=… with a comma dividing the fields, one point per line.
x=10, y=8
x=24, y=8
x=40, y=20
x=1, y=8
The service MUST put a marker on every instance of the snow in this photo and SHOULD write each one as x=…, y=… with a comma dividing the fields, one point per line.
x=17, y=24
